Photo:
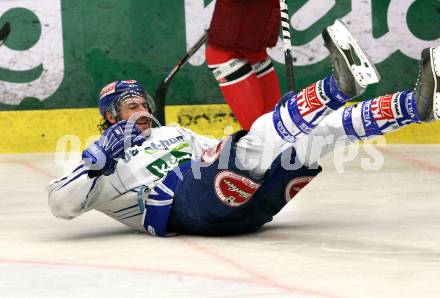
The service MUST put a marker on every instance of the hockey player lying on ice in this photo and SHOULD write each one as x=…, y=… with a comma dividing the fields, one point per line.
x=171, y=180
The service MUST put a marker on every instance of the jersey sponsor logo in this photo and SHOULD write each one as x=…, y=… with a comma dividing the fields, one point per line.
x=295, y=185
x=232, y=189
x=163, y=144
x=308, y=101
x=382, y=108
x=160, y=167
x=129, y=154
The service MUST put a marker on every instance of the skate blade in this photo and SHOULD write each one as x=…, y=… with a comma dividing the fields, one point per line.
x=366, y=73
x=435, y=64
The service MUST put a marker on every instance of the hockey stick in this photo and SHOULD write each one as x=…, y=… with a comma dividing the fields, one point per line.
x=4, y=32
x=288, y=59
x=162, y=89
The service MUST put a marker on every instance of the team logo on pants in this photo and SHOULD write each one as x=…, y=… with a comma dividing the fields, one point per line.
x=295, y=185
x=232, y=189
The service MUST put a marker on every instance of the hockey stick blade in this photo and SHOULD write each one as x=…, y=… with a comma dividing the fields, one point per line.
x=4, y=32
x=162, y=89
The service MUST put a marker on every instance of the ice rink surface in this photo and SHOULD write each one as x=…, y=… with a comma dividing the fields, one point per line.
x=353, y=234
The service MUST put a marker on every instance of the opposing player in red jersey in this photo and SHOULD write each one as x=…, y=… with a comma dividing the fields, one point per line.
x=238, y=36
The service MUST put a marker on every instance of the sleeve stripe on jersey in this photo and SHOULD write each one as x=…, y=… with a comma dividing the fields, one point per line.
x=77, y=168
x=91, y=188
x=61, y=179
x=165, y=189
x=120, y=180
x=132, y=215
x=152, y=202
x=74, y=178
x=65, y=177
x=115, y=188
x=125, y=208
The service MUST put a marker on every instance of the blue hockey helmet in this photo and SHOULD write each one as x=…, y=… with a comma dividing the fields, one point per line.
x=112, y=94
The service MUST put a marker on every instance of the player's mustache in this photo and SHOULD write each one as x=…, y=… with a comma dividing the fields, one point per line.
x=142, y=119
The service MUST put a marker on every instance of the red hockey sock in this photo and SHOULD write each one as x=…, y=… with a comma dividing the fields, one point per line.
x=238, y=83
x=270, y=89
x=245, y=99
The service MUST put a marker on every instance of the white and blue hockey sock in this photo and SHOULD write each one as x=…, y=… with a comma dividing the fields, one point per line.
x=298, y=114
x=380, y=115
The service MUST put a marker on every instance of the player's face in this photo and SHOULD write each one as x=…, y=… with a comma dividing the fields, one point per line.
x=137, y=109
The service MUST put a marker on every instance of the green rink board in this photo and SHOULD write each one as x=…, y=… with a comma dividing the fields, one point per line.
x=65, y=51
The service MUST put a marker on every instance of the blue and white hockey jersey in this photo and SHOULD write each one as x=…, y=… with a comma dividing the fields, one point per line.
x=125, y=194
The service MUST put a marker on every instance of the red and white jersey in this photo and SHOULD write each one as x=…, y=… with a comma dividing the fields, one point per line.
x=251, y=25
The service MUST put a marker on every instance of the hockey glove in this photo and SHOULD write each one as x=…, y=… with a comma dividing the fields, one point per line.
x=101, y=156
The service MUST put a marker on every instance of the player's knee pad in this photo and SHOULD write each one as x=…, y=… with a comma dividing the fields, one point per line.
x=231, y=72
x=263, y=67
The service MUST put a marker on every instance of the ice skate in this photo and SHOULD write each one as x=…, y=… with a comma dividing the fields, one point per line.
x=351, y=78
x=427, y=89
